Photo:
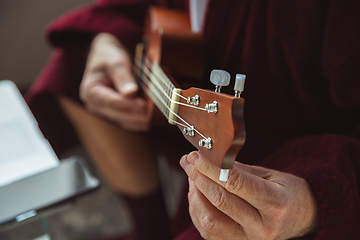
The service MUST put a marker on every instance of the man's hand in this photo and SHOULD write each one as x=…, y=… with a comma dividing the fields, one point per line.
x=255, y=202
x=108, y=87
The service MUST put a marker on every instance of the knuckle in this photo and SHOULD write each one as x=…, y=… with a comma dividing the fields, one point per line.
x=280, y=208
x=90, y=95
x=219, y=199
x=281, y=212
x=192, y=195
x=208, y=222
x=239, y=231
x=118, y=62
x=271, y=234
x=235, y=182
x=270, y=231
x=193, y=174
x=272, y=227
x=278, y=221
x=206, y=166
x=191, y=209
x=113, y=103
x=266, y=233
x=83, y=91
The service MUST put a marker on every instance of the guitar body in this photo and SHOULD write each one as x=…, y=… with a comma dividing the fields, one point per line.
x=170, y=43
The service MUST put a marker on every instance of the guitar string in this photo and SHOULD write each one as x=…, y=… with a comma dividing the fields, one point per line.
x=170, y=85
x=148, y=71
x=150, y=75
x=167, y=80
x=166, y=114
x=164, y=78
x=175, y=114
x=138, y=63
x=146, y=80
x=148, y=63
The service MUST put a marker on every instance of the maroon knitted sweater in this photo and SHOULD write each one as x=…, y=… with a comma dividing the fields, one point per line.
x=302, y=110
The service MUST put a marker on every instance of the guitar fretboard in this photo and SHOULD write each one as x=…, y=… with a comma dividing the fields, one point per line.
x=154, y=82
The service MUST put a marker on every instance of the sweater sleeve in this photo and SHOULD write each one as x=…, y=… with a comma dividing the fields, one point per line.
x=331, y=163
x=77, y=27
x=122, y=18
x=331, y=166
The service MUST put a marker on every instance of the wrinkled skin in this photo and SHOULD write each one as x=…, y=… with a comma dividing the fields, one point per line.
x=255, y=203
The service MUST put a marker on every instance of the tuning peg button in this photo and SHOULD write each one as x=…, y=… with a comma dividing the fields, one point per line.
x=224, y=175
x=239, y=84
x=219, y=78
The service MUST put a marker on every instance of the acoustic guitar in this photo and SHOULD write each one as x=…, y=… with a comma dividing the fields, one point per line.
x=212, y=121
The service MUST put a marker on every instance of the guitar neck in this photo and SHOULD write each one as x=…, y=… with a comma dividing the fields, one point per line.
x=211, y=121
x=157, y=85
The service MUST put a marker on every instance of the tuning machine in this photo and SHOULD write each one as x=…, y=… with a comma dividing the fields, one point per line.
x=206, y=142
x=189, y=131
x=239, y=84
x=194, y=100
x=219, y=78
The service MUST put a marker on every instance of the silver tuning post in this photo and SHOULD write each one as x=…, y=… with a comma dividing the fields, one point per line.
x=206, y=142
x=239, y=84
x=190, y=131
x=219, y=78
x=194, y=100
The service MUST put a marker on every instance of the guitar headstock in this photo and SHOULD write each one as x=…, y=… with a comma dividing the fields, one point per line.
x=213, y=123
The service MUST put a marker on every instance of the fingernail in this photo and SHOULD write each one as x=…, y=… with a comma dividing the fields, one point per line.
x=184, y=163
x=193, y=156
x=129, y=88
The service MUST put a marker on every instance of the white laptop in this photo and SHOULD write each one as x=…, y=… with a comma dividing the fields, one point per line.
x=23, y=149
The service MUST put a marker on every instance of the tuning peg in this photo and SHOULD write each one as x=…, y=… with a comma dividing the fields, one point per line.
x=239, y=84
x=219, y=78
x=224, y=175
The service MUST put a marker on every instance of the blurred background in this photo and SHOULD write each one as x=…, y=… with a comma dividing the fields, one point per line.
x=23, y=53
x=23, y=50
